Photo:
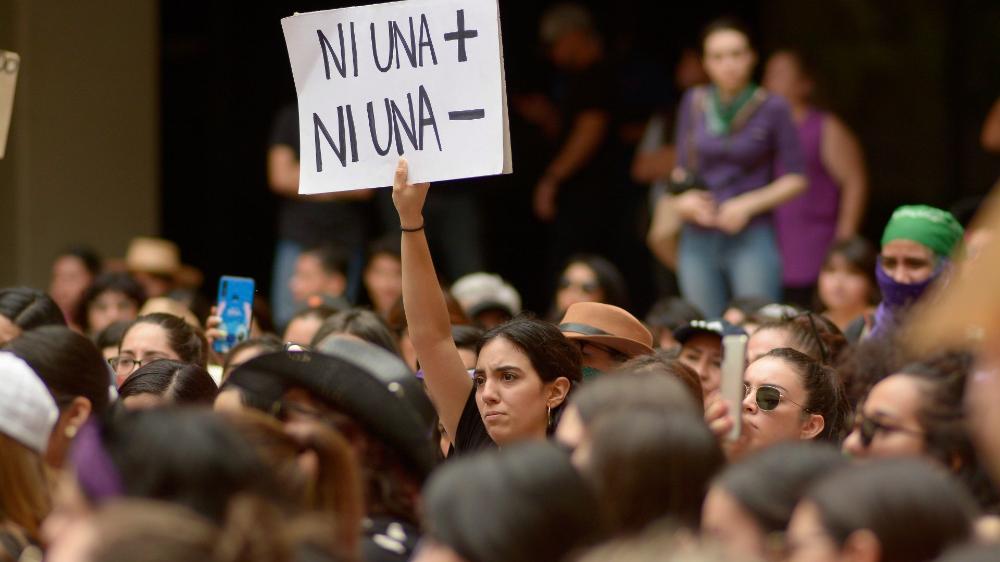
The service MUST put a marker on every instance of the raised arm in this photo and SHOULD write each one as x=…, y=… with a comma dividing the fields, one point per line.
x=448, y=383
x=842, y=156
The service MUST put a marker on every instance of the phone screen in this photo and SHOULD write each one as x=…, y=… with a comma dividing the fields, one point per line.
x=235, y=308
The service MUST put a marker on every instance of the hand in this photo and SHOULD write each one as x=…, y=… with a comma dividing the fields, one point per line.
x=407, y=197
x=213, y=327
x=717, y=417
x=697, y=206
x=545, y=199
x=733, y=216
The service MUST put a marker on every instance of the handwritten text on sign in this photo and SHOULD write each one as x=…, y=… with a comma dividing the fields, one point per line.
x=421, y=78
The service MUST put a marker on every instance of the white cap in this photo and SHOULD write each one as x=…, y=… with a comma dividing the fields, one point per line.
x=27, y=411
x=477, y=292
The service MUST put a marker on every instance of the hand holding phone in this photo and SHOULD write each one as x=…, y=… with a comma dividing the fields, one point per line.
x=235, y=310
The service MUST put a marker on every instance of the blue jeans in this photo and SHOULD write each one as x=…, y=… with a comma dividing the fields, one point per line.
x=283, y=306
x=714, y=267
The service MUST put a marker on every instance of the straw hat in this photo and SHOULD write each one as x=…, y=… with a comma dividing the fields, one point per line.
x=607, y=325
x=161, y=257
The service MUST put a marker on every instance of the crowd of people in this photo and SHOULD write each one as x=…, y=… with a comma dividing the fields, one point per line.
x=375, y=413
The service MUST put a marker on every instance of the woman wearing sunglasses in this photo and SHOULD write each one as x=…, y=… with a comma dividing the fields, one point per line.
x=789, y=397
x=918, y=412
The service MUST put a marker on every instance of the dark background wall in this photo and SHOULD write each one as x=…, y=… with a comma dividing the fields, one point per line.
x=914, y=78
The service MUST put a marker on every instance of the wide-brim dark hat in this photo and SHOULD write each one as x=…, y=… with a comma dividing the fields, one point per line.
x=372, y=386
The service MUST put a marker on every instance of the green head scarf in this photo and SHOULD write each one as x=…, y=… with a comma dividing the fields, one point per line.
x=930, y=226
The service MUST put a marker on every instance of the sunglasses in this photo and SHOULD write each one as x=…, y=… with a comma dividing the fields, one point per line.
x=768, y=397
x=868, y=428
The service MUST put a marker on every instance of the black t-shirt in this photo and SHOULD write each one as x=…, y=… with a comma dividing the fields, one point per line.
x=471, y=434
x=587, y=90
x=311, y=223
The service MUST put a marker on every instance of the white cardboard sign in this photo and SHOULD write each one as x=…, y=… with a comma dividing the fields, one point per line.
x=422, y=79
x=9, y=65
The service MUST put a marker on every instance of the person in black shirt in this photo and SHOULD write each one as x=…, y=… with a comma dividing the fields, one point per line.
x=525, y=368
x=576, y=186
x=308, y=221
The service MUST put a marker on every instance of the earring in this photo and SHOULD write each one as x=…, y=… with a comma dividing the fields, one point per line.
x=549, y=413
x=70, y=431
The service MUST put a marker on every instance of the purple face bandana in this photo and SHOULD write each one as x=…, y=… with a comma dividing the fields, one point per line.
x=897, y=296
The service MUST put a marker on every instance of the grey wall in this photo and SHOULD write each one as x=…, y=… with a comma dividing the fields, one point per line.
x=82, y=161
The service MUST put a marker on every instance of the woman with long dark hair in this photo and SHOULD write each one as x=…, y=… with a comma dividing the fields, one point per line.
x=525, y=368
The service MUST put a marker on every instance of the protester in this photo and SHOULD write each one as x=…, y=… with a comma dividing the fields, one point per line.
x=320, y=272
x=72, y=272
x=833, y=205
x=382, y=275
x=77, y=377
x=108, y=339
x=701, y=350
x=22, y=309
x=807, y=333
x=751, y=502
x=27, y=416
x=165, y=382
x=666, y=317
x=371, y=397
x=575, y=183
x=525, y=370
x=138, y=455
x=671, y=458
x=156, y=264
x=305, y=323
x=920, y=412
x=487, y=299
x=607, y=336
x=158, y=336
x=727, y=245
x=789, y=397
x=589, y=278
x=153, y=531
x=624, y=392
x=510, y=482
x=113, y=297
x=891, y=511
x=666, y=364
x=316, y=468
x=307, y=222
x=916, y=248
x=247, y=350
x=847, y=289
x=359, y=324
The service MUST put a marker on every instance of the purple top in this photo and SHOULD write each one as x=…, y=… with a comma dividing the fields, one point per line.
x=807, y=225
x=746, y=159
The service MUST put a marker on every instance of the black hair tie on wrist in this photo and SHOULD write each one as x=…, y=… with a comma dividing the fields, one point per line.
x=418, y=229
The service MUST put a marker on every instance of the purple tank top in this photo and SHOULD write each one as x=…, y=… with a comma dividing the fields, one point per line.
x=807, y=225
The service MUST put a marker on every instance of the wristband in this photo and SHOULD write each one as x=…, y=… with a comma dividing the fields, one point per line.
x=418, y=229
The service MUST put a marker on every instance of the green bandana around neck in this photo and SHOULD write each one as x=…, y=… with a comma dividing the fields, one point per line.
x=720, y=115
x=930, y=226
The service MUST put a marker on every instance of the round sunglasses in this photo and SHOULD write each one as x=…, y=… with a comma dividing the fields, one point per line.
x=768, y=397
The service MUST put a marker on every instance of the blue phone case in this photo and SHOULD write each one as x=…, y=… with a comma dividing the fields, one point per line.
x=235, y=307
